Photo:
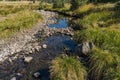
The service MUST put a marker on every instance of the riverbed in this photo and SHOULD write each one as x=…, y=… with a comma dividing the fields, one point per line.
x=41, y=44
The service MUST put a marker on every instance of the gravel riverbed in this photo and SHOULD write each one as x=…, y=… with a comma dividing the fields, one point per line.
x=26, y=52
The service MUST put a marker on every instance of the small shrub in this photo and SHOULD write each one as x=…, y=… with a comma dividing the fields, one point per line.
x=58, y=4
x=77, y=3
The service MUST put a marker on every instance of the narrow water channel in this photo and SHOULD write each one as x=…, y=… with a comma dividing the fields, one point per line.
x=58, y=43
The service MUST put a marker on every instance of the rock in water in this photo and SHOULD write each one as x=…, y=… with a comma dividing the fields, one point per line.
x=44, y=46
x=84, y=49
x=28, y=59
x=13, y=78
x=37, y=75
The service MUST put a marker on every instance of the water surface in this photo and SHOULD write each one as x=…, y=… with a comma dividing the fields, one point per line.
x=59, y=23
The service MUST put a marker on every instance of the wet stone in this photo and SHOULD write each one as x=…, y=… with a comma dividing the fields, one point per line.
x=28, y=59
x=37, y=75
x=44, y=46
x=13, y=78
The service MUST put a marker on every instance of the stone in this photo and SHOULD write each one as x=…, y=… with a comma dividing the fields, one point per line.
x=19, y=74
x=38, y=48
x=28, y=59
x=64, y=55
x=13, y=78
x=33, y=50
x=84, y=49
x=44, y=46
x=30, y=51
x=10, y=60
x=101, y=23
x=37, y=75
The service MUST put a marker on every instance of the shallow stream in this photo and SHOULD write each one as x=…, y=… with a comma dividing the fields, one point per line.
x=56, y=44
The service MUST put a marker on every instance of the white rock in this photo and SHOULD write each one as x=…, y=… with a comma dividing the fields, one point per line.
x=30, y=51
x=37, y=74
x=13, y=78
x=44, y=46
x=28, y=59
x=19, y=74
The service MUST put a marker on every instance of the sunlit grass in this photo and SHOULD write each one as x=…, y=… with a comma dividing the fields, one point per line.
x=19, y=21
x=67, y=68
x=105, y=38
x=84, y=9
x=92, y=19
x=104, y=65
x=10, y=8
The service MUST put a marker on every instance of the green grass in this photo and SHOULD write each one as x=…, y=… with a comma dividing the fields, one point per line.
x=10, y=8
x=105, y=38
x=104, y=65
x=19, y=21
x=67, y=68
x=92, y=19
x=48, y=6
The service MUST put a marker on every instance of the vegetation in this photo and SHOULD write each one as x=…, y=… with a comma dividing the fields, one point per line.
x=67, y=68
x=9, y=8
x=106, y=39
x=58, y=4
x=17, y=22
x=98, y=22
x=77, y=3
x=104, y=65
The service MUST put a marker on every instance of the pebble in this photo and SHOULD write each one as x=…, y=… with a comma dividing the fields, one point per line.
x=28, y=59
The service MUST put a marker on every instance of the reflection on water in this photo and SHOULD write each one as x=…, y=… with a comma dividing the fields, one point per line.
x=57, y=44
x=59, y=23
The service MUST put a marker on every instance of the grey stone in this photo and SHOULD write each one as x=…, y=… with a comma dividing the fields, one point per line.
x=44, y=46
x=37, y=75
x=28, y=59
x=84, y=49
x=19, y=74
x=13, y=78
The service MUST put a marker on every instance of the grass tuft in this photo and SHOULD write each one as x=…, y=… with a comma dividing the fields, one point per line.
x=67, y=68
x=104, y=65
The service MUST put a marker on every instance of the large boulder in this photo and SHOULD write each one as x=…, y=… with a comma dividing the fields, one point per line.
x=84, y=49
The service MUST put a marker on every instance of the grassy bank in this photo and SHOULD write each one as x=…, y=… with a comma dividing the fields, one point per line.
x=101, y=26
x=21, y=20
x=13, y=7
